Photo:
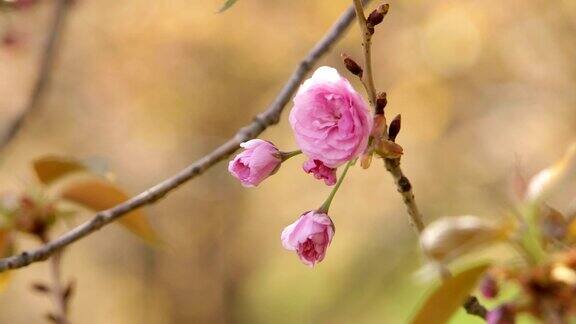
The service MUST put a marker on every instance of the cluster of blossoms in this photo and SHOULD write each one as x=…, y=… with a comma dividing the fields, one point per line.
x=332, y=125
x=544, y=271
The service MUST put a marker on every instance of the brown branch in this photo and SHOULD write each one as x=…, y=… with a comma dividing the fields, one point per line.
x=403, y=185
x=367, y=77
x=392, y=165
x=262, y=121
x=47, y=58
x=405, y=189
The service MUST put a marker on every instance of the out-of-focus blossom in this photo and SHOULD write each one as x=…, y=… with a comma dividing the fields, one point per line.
x=258, y=161
x=489, y=287
x=309, y=236
x=450, y=237
x=503, y=314
x=548, y=181
x=331, y=121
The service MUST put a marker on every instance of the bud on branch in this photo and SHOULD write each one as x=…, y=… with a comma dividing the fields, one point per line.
x=394, y=128
x=352, y=66
x=381, y=102
x=376, y=17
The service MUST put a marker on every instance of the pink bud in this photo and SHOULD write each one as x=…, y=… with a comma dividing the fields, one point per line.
x=503, y=314
x=489, y=287
x=309, y=236
x=320, y=171
x=258, y=161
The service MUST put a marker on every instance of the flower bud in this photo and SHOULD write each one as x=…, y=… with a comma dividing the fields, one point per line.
x=258, y=161
x=548, y=181
x=378, y=126
x=375, y=18
x=503, y=314
x=377, y=15
x=320, y=171
x=448, y=238
x=394, y=128
x=381, y=102
x=489, y=287
x=352, y=66
x=309, y=236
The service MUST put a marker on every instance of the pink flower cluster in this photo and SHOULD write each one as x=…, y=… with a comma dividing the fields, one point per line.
x=332, y=125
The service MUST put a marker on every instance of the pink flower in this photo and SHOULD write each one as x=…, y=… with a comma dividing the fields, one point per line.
x=503, y=314
x=260, y=160
x=331, y=121
x=309, y=236
x=320, y=171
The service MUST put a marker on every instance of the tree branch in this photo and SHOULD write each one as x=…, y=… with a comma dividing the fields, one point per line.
x=262, y=121
x=403, y=185
x=47, y=58
x=368, y=77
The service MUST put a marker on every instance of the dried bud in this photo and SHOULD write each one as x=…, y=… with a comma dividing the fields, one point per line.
x=378, y=126
x=390, y=150
x=377, y=15
x=352, y=66
x=489, y=287
x=366, y=160
x=375, y=18
x=394, y=128
x=448, y=238
x=381, y=102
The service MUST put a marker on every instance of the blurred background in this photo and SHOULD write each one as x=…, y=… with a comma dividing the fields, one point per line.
x=483, y=87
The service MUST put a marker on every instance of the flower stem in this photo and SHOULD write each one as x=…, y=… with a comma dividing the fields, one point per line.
x=326, y=205
x=286, y=155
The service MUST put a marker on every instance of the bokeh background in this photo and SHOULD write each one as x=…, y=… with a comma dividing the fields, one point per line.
x=483, y=86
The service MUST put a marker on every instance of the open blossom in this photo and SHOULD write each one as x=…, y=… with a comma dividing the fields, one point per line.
x=309, y=236
x=258, y=161
x=331, y=121
x=320, y=171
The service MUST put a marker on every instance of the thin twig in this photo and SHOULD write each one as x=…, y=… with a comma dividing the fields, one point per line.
x=48, y=55
x=403, y=185
x=262, y=121
x=392, y=165
x=57, y=290
x=367, y=77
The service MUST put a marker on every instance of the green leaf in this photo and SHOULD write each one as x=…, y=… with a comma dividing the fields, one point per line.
x=445, y=300
x=227, y=5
